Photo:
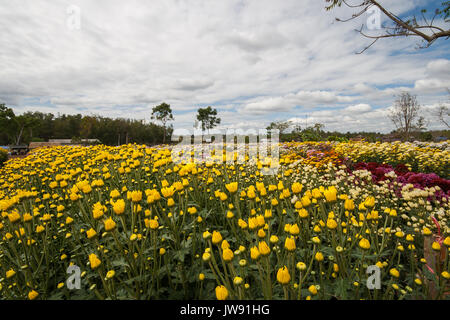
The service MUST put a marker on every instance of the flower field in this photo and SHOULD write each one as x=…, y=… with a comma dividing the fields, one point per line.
x=141, y=225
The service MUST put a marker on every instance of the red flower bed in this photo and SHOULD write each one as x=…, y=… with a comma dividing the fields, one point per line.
x=404, y=176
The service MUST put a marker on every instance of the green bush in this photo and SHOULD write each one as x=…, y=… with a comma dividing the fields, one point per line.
x=426, y=136
x=3, y=156
x=36, y=139
x=336, y=138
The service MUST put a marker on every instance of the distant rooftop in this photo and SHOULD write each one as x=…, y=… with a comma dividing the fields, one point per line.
x=69, y=141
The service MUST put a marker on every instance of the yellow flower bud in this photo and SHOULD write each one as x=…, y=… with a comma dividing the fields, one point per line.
x=331, y=224
x=221, y=293
x=436, y=246
x=283, y=275
x=289, y=244
x=237, y=280
x=447, y=242
x=394, y=272
x=32, y=294
x=313, y=289
x=94, y=261
x=206, y=256
x=216, y=237
x=228, y=255
x=273, y=239
x=301, y=266
x=263, y=248
x=364, y=244
x=91, y=233
x=319, y=256
x=254, y=253
x=294, y=230
x=109, y=224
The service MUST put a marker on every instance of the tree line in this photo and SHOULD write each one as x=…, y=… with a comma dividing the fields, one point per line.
x=405, y=115
x=38, y=127
x=35, y=126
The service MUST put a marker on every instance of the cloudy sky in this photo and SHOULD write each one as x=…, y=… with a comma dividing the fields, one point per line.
x=255, y=61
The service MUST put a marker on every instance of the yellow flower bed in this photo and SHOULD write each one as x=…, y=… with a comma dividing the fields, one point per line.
x=140, y=225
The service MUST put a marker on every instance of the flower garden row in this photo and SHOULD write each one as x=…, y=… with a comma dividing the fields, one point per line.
x=141, y=225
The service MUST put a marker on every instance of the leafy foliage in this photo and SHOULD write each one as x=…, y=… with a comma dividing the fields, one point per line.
x=208, y=118
x=3, y=156
x=38, y=126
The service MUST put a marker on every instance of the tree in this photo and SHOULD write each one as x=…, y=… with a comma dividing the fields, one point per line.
x=87, y=126
x=421, y=124
x=297, y=128
x=318, y=127
x=6, y=114
x=6, y=123
x=282, y=126
x=44, y=128
x=443, y=112
x=208, y=118
x=425, y=27
x=313, y=133
x=14, y=126
x=23, y=122
x=404, y=112
x=163, y=113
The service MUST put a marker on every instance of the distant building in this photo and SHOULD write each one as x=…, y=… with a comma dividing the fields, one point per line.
x=18, y=150
x=391, y=138
x=440, y=138
x=61, y=142
x=35, y=145
x=357, y=138
x=64, y=142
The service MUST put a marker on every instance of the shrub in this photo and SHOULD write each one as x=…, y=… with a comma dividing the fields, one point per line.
x=3, y=156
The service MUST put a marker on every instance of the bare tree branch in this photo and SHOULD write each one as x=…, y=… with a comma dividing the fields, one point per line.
x=443, y=112
x=402, y=28
x=405, y=111
x=410, y=28
x=373, y=42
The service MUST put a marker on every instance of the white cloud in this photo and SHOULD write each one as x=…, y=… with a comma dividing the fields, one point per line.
x=255, y=42
x=438, y=77
x=439, y=68
x=193, y=84
x=425, y=85
x=262, y=60
x=320, y=97
x=277, y=104
x=289, y=101
x=358, y=108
